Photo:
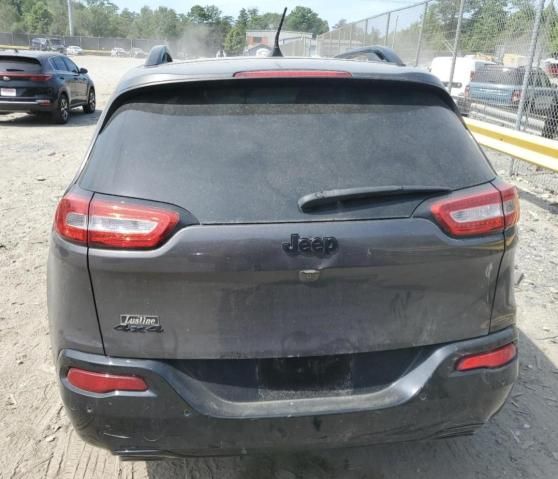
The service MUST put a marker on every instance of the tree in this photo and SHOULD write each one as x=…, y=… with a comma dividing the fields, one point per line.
x=304, y=19
x=9, y=17
x=235, y=41
x=551, y=26
x=100, y=18
x=242, y=19
x=166, y=23
x=59, y=11
x=485, y=26
x=38, y=19
x=340, y=23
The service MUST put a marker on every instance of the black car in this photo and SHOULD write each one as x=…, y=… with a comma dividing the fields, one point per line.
x=281, y=253
x=44, y=82
x=48, y=44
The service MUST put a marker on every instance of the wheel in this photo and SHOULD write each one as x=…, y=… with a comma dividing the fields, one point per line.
x=91, y=102
x=62, y=112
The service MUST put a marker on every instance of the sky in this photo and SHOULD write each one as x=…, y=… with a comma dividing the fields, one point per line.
x=330, y=10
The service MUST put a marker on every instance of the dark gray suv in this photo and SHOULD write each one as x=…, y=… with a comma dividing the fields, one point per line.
x=281, y=253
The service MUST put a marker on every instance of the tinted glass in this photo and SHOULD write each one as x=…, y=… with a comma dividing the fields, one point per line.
x=19, y=64
x=70, y=65
x=58, y=64
x=248, y=153
x=499, y=75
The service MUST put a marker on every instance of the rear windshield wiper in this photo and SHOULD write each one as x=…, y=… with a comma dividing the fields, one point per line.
x=320, y=198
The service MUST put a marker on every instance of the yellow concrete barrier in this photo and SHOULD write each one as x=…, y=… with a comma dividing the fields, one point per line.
x=524, y=146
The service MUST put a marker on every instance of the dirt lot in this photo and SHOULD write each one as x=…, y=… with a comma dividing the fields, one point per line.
x=37, y=161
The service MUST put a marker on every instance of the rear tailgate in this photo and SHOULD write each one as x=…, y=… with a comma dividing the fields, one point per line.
x=253, y=277
x=21, y=78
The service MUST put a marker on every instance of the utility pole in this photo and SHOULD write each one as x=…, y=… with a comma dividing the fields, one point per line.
x=456, y=44
x=70, y=22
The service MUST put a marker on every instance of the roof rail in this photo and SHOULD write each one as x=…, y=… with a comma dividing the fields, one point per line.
x=385, y=54
x=158, y=55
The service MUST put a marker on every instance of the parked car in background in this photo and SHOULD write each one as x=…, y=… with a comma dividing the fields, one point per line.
x=44, y=82
x=372, y=53
x=53, y=44
x=119, y=52
x=74, y=50
x=550, y=66
x=465, y=68
x=138, y=53
x=360, y=292
x=501, y=86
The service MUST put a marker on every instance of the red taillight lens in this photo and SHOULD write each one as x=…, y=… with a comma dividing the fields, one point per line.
x=123, y=225
x=293, y=74
x=27, y=76
x=104, y=383
x=40, y=77
x=113, y=224
x=489, y=210
x=70, y=220
x=493, y=359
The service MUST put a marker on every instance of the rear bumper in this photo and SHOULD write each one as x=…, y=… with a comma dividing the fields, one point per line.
x=27, y=105
x=178, y=415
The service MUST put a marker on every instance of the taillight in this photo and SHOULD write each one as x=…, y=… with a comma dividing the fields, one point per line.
x=293, y=74
x=113, y=224
x=40, y=77
x=122, y=225
x=70, y=220
x=27, y=76
x=516, y=96
x=510, y=204
x=103, y=382
x=488, y=210
x=490, y=360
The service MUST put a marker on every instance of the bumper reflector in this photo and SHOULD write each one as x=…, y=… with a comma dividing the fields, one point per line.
x=103, y=382
x=493, y=359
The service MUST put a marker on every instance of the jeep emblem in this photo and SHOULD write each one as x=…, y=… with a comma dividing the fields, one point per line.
x=314, y=245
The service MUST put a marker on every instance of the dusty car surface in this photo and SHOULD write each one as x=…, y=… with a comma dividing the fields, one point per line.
x=276, y=253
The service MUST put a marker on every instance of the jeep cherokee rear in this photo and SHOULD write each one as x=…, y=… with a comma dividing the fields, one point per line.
x=281, y=253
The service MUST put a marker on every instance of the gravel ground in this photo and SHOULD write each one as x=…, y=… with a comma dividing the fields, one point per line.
x=38, y=160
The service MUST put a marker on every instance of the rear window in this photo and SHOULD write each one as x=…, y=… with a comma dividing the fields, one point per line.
x=500, y=75
x=246, y=151
x=19, y=64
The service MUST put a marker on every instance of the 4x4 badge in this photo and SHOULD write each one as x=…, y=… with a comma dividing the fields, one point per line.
x=315, y=245
x=139, y=323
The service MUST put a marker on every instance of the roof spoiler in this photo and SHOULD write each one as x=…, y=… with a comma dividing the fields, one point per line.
x=158, y=55
x=384, y=53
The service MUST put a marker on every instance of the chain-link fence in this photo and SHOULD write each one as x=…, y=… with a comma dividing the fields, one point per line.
x=498, y=58
x=95, y=44
x=300, y=47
